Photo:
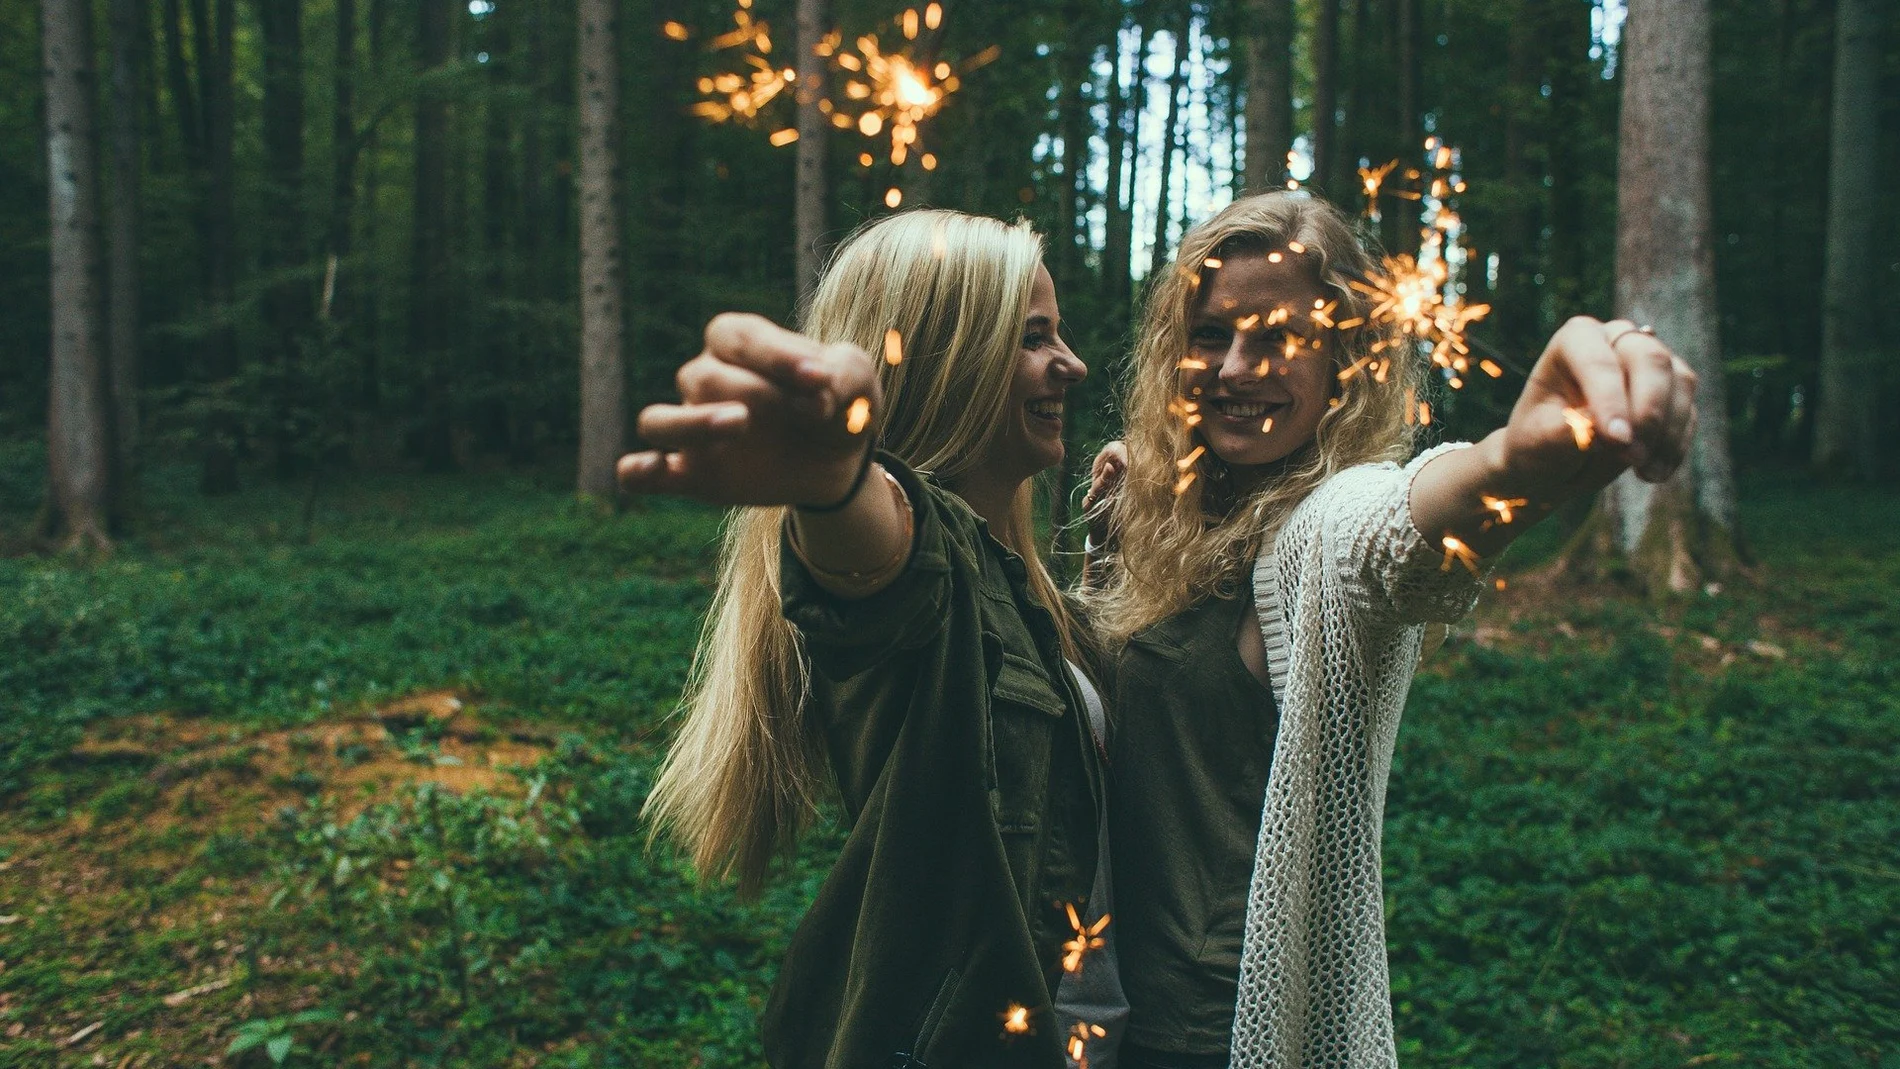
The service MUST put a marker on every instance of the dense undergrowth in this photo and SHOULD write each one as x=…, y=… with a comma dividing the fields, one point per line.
x=1618, y=834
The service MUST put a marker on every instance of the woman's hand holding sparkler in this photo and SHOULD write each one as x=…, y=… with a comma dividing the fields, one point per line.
x=770, y=417
x=767, y=417
x=1604, y=398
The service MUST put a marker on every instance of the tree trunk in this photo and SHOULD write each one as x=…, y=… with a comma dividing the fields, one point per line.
x=1118, y=253
x=1682, y=534
x=1844, y=416
x=1177, y=81
x=219, y=474
x=79, y=441
x=429, y=290
x=813, y=141
x=1269, y=92
x=1115, y=229
x=287, y=305
x=1325, y=95
x=1515, y=316
x=603, y=419
x=1072, y=70
x=344, y=147
x=130, y=46
x=1410, y=125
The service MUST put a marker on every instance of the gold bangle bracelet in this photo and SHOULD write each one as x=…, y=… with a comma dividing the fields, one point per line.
x=865, y=581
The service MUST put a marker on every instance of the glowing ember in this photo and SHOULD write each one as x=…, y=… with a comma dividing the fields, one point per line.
x=893, y=347
x=1491, y=369
x=1087, y=937
x=1412, y=297
x=1456, y=550
x=1016, y=1019
x=1267, y=427
x=783, y=137
x=859, y=416
x=1212, y=261
x=1187, y=462
x=675, y=30
x=1371, y=178
x=1181, y=484
x=1504, y=506
x=1079, y=1037
x=893, y=197
x=1581, y=427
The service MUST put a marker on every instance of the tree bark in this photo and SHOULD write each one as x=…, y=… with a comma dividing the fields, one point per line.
x=603, y=376
x=219, y=474
x=1118, y=253
x=286, y=302
x=1072, y=63
x=1684, y=533
x=429, y=291
x=344, y=147
x=131, y=39
x=1115, y=229
x=1177, y=81
x=1844, y=418
x=1410, y=118
x=1269, y=92
x=1325, y=95
x=813, y=141
x=79, y=441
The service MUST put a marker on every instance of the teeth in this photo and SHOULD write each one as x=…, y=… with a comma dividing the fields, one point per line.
x=1243, y=409
x=1045, y=408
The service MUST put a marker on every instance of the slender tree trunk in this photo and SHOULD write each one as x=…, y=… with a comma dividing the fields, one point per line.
x=79, y=439
x=1177, y=81
x=219, y=474
x=1071, y=110
x=287, y=305
x=131, y=39
x=813, y=141
x=1569, y=74
x=1516, y=315
x=1683, y=533
x=1844, y=419
x=344, y=146
x=429, y=290
x=184, y=97
x=1115, y=230
x=1354, y=131
x=1118, y=256
x=1269, y=92
x=1410, y=126
x=1325, y=96
x=603, y=376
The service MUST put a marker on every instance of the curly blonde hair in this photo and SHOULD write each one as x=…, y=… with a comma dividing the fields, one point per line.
x=1173, y=549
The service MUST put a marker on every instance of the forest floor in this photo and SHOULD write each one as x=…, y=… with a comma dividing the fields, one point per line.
x=366, y=794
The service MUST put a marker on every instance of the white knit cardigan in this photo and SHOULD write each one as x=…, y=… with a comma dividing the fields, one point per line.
x=1344, y=593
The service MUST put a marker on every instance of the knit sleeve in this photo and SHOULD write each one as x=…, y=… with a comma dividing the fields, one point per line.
x=1397, y=574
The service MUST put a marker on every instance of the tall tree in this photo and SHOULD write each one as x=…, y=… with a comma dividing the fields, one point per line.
x=1177, y=84
x=429, y=290
x=131, y=34
x=813, y=140
x=1114, y=278
x=603, y=376
x=1269, y=91
x=1325, y=96
x=79, y=442
x=1410, y=124
x=1119, y=248
x=1682, y=533
x=1844, y=419
x=286, y=300
x=345, y=145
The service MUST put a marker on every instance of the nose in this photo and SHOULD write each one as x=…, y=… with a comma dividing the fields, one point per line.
x=1067, y=366
x=1238, y=364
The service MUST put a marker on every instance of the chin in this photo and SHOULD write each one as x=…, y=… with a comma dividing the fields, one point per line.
x=1248, y=452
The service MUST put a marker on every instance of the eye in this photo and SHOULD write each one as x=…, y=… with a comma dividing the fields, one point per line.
x=1035, y=340
x=1208, y=334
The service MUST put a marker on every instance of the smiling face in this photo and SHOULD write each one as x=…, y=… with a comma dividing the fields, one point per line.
x=1030, y=438
x=1268, y=368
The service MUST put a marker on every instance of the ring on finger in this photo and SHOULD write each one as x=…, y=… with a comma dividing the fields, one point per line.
x=1626, y=331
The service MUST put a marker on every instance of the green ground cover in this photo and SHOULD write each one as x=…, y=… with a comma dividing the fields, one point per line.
x=369, y=797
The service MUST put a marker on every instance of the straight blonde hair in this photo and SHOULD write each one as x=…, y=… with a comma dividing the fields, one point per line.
x=1174, y=549
x=747, y=770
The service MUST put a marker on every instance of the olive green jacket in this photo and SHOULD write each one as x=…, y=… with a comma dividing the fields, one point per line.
x=972, y=792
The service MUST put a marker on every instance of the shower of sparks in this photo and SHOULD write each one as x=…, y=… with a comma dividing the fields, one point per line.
x=1079, y=1038
x=1455, y=549
x=1581, y=427
x=1087, y=937
x=1016, y=1019
x=859, y=416
x=887, y=93
x=893, y=347
x=1505, y=507
x=1410, y=296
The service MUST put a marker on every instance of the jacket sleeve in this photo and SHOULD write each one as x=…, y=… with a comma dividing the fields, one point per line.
x=1397, y=574
x=845, y=636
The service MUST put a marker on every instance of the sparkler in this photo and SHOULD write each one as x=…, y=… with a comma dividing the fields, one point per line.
x=1079, y=1037
x=1410, y=296
x=1504, y=506
x=741, y=94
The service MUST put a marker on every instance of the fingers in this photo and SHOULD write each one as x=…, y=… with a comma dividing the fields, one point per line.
x=1677, y=427
x=652, y=472
x=1583, y=348
x=684, y=426
x=759, y=345
x=1649, y=369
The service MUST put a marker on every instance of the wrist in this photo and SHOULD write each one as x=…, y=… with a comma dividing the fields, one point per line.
x=839, y=492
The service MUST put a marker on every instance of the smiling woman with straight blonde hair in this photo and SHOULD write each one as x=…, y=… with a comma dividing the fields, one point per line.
x=885, y=634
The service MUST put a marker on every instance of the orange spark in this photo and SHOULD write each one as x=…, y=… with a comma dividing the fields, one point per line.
x=1079, y=1038
x=1455, y=549
x=783, y=137
x=1504, y=506
x=1296, y=247
x=1016, y=1019
x=1490, y=369
x=893, y=347
x=933, y=16
x=1581, y=428
x=859, y=416
x=1187, y=462
x=1181, y=484
x=1087, y=937
x=1211, y=261
x=1267, y=427
x=676, y=30
x=1190, y=363
x=893, y=197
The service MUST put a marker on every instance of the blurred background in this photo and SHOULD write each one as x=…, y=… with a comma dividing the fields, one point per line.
x=333, y=673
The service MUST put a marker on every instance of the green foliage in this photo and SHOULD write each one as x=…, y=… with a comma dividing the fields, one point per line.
x=1609, y=842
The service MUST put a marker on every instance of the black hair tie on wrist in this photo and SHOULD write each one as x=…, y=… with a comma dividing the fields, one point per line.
x=870, y=454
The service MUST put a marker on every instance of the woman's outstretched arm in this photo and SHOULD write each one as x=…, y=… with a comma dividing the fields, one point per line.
x=1603, y=398
x=771, y=417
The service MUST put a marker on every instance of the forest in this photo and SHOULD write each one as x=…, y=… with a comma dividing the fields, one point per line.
x=334, y=671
